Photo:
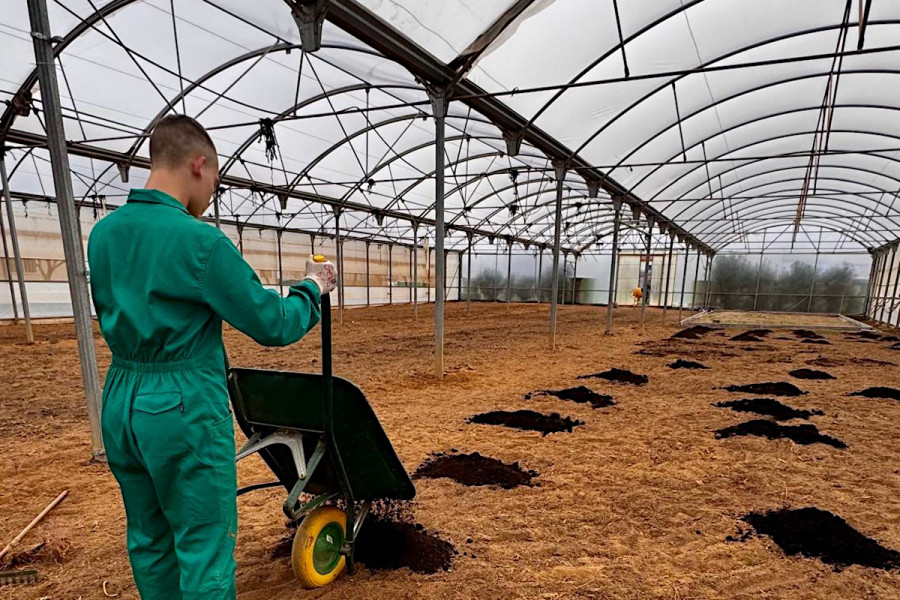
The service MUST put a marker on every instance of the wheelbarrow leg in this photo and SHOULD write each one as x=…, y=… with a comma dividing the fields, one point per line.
x=291, y=503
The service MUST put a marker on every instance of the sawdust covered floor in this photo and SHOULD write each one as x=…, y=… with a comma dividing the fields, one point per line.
x=637, y=503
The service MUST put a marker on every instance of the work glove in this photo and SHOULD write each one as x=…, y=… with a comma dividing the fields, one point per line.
x=321, y=272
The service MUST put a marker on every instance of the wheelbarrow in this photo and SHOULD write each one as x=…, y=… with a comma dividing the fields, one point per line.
x=319, y=436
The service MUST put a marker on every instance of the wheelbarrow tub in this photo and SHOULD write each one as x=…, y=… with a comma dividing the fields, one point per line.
x=265, y=401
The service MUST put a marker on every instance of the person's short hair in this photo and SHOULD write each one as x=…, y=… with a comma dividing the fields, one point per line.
x=178, y=138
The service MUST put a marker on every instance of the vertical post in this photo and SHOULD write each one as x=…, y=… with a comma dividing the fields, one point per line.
x=613, y=263
x=696, y=276
x=878, y=285
x=240, y=230
x=439, y=108
x=687, y=253
x=368, y=297
x=339, y=250
x=72, y=244
x=758, y=274
x=894, y=294
x=390, y=274
x=709, y=275
x=812, y=287
x=841, y=309
x=560, y=170
x=12, y=288
x=509, y=245
x=646, y=297
x=280, y=268
x=540, y=289
x=17, y=254
x=887, y=283
x=706, y=269
x=415, y=270
x=668, y=274
x=469, y=277
x=574, y=278
x=874, y=256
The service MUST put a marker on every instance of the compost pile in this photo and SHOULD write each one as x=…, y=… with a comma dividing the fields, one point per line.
x=686, y=364
x=692, y=333
x=387, y=544
x=779, y=388
x=753, y=335
x=807, y=334
x=474, y=470
x=819, y=342
x=870, y=361
x=769, y=407
x=615, y=375
x=582, y=395
x=800, y=434
x=528, y=420
x=827, y=362
x=879, y=392
x=817, y=533
x=810, y=374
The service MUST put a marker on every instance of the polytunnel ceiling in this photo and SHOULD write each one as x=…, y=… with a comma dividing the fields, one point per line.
x=735, y=124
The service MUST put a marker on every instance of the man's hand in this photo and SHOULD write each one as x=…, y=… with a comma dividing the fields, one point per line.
x=323, y=274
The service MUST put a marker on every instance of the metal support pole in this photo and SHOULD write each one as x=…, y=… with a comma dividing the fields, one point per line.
x=415, y=270
x=881, y=273
x=12, y=287
x=560, y=170
x=368, y=297
x=240, y=231
x=613, y=264
x=469, y=279
x=509, y=246
x=72, y=244
x=646, y=297
x=706, y=275
x=390, y=274
x=17, y=255
x=339, y=251
x=668, y=275
x=758, y=274
x=683, y=281
x=694, y=287
x=880, y=319
x=574, y=278
x=894, y=297
x=540, y=276
x=812, y=287
x=280, y=268
x=874, y=260
x=439, y=108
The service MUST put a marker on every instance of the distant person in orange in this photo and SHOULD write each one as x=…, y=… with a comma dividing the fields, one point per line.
x=637, y=294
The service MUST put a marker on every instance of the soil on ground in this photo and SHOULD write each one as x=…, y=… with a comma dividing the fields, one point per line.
x=581, y=395
x=692, y=333
x=686, y=364
x=811, y=374
x=474, y=470
x=620, y=501
x=879, y=392
x=384, y=544
x=807, y=334
x=616, y=375
x=528, y=420
x=748, y=336
x=800, y=434
x=769, y=407
x=819, y=342
x=815, y=533
x=778, y=388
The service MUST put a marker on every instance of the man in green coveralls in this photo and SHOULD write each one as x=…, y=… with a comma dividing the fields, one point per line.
x=163, y=281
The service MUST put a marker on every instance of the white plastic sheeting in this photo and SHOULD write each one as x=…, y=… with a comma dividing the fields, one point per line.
x=713, y=126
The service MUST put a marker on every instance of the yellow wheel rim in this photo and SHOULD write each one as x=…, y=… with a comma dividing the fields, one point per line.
x=316, y=556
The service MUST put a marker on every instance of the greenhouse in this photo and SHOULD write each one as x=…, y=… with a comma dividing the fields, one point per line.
x=514, y=195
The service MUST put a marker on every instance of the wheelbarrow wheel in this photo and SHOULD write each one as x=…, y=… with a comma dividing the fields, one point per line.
x=316, y=553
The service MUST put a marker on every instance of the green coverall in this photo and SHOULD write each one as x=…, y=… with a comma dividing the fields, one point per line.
x=163, y=282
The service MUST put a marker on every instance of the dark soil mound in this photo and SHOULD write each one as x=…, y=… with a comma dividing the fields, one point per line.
x=769, y=407
x=386, y=544
x=582, y=395
x=817, y=533
x=474, y=470
x=826, y=362
x=807, y=334
x=801, y=434
x=686, y=364
x=879, y=392
x=527, y=419
x=810, y=374
x=869, y=361
x=890, y=338
x=779, y=388
x=692, y=333
x=619, y=376
x=747, y=336
x=894, y=347
x=867, y=334
x=822, y=342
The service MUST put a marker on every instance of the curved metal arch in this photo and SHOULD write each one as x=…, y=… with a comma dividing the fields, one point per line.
x=711, y=62
x=742, y=202
x=672, y=160
x=783, y=169
x=749, y=161
x=237, y=60
x=789, y=221
x=774, y=208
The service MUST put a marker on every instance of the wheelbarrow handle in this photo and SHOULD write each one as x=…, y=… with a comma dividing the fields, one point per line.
x=327, y=381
